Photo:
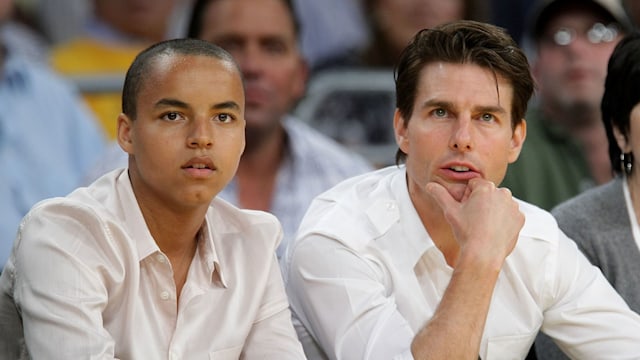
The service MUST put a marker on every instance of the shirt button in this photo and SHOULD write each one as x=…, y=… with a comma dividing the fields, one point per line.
x=164, y=295
x=391, y=206
x=173, y=356
x=161, y=258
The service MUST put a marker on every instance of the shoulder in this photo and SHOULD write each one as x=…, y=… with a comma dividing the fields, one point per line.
x=594, y=201
x=539, y=223
x=252, y=227
x=345, y=211
x=38, y=77
x=595, y=212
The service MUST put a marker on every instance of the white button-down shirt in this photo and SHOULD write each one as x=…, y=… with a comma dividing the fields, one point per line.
x=364, y=276
x=89, y=281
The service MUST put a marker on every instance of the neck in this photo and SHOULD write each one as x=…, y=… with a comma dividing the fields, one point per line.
x=257, y=173
x=437, y=227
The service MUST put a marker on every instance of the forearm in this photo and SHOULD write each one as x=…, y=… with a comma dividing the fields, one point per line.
x=455, y=330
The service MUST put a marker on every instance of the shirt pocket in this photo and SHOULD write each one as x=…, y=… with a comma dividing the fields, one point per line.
x=510, y=347
x=232, y=353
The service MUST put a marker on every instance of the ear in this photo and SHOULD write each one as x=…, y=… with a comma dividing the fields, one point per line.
x=518, y=136
x=125, y=132
x=401, y=131
x=621, y=140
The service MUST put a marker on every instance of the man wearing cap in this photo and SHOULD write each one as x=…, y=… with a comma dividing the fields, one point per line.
x=566, y=148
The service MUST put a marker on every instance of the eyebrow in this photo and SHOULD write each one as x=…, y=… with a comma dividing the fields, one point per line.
x=168, y=102
x=449, y=105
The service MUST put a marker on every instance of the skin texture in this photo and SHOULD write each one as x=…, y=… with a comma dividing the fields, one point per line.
x=462, y=120
x=189, y=111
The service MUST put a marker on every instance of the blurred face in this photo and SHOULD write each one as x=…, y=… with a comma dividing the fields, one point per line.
x=261, y=37
x=144, y=19
x=5, y=10
x=572, y=76
x=461, y=128
x=186, y=141
x=401, y=19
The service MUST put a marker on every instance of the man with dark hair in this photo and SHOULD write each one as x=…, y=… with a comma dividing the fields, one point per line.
x=430, y=259
x=146, y=262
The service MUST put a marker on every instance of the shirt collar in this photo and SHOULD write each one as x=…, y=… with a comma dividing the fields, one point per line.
x=209, y=256
x=408, y=240
x=146, y=245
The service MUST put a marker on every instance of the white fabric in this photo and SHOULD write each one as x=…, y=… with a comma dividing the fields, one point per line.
x=89, y=281
x=364, y=276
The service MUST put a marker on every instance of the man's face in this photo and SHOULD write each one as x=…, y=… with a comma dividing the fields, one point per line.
x=572, y=76
x=460, y=128
x=188, y=136
x=261, y=37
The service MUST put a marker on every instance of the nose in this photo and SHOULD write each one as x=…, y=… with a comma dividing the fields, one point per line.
x=250, y=60
x=461, y=137
x=200, y=133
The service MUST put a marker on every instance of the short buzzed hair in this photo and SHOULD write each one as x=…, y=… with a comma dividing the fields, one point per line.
x=144, y=61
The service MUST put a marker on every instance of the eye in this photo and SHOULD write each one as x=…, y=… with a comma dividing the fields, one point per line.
x=275, y=47
x=225, y=118
x=487, y=117
x=440, y=112
x=171, y=116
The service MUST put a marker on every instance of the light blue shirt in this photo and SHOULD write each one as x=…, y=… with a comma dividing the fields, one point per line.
x=48, y=139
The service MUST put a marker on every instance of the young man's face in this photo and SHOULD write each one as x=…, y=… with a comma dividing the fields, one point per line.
x=260, y=35
x=460, y=128
x=187, y=138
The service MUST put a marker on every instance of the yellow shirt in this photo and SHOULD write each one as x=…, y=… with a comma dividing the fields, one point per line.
x=90, y=57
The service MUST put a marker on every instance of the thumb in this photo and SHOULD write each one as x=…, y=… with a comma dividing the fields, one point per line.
x=442, y=197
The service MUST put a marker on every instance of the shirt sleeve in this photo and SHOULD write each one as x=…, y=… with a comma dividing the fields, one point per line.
x=59, y=294
x=585, y=316
x=344, y=300
x=272, y=335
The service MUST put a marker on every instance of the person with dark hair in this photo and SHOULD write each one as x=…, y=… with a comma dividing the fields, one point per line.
x=431, y=258
x=146, y=262
x=603, y=221
x=566, y=150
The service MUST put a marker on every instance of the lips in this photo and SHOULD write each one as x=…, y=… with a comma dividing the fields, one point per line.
x=200, y=163
x=460, y=172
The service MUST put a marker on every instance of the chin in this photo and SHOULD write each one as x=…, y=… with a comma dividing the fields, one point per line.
x=457, y=191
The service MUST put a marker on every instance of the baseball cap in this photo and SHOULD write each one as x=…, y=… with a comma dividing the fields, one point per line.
x=547, y=9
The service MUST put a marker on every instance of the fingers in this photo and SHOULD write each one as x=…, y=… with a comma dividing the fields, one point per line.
x=441, y=196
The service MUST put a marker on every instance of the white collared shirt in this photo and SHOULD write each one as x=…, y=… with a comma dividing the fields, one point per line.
x=364, y=276
x=89, y=281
